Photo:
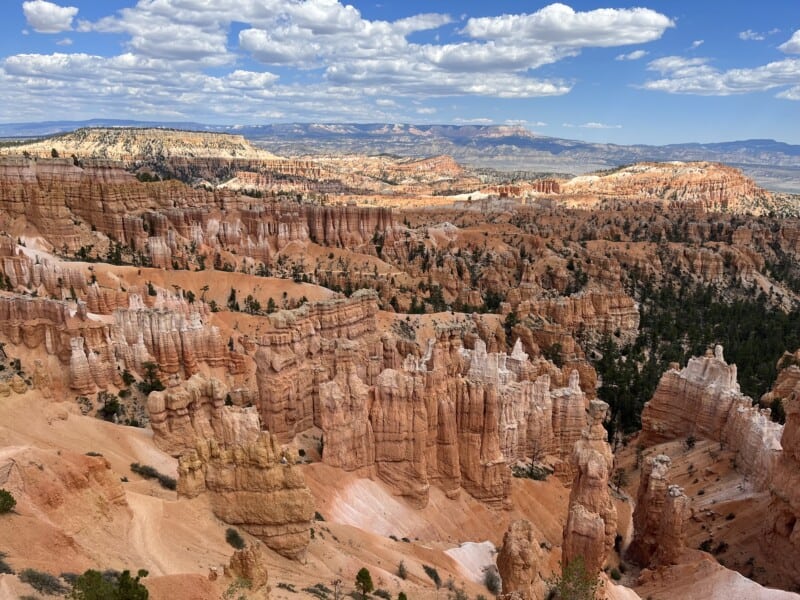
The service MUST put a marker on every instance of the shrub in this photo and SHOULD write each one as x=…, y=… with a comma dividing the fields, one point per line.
x=149, y=472
x=616, y=575
x=4, y=566
x=319, y=590
x=690, y=442
x=433, y=574
x=491, y=579
x=402, y=596
x=382, y=594
x=575, y=582
x=402, y=571
x=705, y=545
x=42, y=582
x=721, y=548
x=7, y=501
x=318, y=516
x=93, y=585
x=234, y=538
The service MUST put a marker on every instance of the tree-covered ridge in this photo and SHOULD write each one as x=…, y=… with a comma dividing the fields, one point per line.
x=680, y=321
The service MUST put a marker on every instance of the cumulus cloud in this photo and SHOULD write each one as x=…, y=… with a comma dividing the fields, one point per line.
x=635, y=55
x=46, y=17
x=64, y=42
x=793, y=45
x=697, y=43
x=559, y=24
x=697, y=76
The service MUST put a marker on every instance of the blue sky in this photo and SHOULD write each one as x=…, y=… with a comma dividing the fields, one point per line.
x=658, y=71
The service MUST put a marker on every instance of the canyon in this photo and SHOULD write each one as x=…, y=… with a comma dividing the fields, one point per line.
x=303, y=352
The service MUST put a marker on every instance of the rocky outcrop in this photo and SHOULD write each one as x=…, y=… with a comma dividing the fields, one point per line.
x=253, y=486
x=518, y=563
x=195, y=410
x=711, y=186
x=592, y=519
x=250, y=563
x=673, y=530
x=660, y=516
x=300, y=352
x=130, y=144
x=704, y=400
x=601, y=312
x=787, y=380
x=781, y=540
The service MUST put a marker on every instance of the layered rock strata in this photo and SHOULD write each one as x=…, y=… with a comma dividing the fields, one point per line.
x=194, y=411
x=254, y=486
x=592, y=519
x=704, y=400
x=454, y=417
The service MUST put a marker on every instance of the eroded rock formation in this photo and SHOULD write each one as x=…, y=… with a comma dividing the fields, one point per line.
x=250, y=563
x=704, y=400
x=195, y=410
x=782, y=530
x=254, y=486
x=518, y=563
x=660, y=516
x=592, y=520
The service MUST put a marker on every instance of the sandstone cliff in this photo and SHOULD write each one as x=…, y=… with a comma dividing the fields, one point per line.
x=254, y=486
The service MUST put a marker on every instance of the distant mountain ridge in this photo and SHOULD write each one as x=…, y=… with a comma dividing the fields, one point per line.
x=773, y=164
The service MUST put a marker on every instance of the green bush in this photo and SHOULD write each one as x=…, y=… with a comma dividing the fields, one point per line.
x=7, y=501
x=234, y=538
x=110, y=585
x=382, y=594
x=42, y=582
x=616, y=575
x=575, y=583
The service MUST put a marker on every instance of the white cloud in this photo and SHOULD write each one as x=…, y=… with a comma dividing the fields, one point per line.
x=64, y=42
x=793, y=45
x=560, y=25
x=46, y=17
x=697, y=43
x=696, y=76
x=595, y=125
x=635, y=55
x=426, y=111
x=333, y=61
x=750, y=35
x=592, y=125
